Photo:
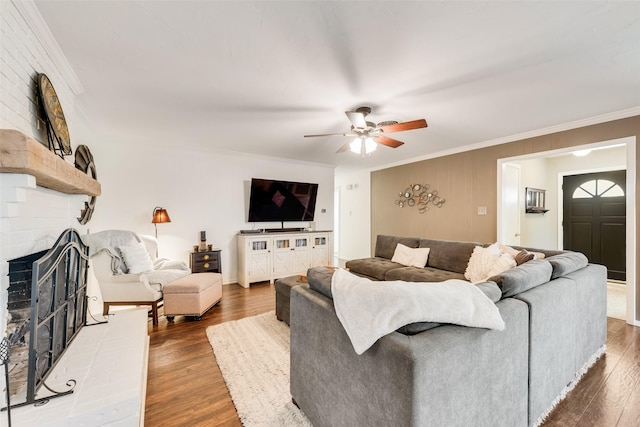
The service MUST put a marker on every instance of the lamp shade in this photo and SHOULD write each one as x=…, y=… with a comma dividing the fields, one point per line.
x=160, y=215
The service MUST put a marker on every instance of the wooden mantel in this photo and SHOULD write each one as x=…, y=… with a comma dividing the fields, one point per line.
x=22, y=154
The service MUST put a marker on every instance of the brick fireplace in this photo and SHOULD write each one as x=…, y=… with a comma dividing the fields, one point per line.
x=41, y=195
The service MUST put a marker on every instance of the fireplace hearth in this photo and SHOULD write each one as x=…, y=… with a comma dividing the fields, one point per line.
x=47, y=304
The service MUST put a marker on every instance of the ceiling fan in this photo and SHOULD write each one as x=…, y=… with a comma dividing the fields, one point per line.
x=367, y=135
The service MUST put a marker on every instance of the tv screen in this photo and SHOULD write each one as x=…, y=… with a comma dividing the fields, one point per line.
x=272, y=200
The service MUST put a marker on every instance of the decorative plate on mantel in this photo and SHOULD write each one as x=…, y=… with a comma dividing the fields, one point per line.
x=54, y=114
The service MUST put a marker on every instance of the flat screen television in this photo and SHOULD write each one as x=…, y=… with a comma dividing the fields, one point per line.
x=272, y=200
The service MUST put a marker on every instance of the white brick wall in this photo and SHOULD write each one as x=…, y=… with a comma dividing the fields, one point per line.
x=22, y=57
x=31, y=218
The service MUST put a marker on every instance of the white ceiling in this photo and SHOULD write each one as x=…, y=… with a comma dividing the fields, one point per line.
x=255, y=77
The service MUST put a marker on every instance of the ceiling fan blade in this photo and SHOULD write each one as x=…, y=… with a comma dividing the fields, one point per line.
x=399, y=127
x=330, y=134
x=389, y=142
x=357, y=119
x=344, y=148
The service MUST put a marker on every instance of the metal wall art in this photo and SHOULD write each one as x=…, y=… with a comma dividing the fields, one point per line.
x=84, y=162
x=421, y=196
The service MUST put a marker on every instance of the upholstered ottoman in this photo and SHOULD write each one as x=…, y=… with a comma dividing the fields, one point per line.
x=192, y=295
x=283, y=292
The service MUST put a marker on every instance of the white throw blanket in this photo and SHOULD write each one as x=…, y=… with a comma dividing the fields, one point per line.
x=370, y=310
x=164, y=270
x=108, y=241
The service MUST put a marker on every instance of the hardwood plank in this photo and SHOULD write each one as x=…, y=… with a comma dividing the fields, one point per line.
x=609, y=387
x=185, y=385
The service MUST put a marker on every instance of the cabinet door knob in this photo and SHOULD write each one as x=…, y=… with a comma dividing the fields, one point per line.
x=206, y=265
x=206, y=257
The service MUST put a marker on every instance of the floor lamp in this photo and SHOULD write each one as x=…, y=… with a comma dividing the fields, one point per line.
x=160, y=215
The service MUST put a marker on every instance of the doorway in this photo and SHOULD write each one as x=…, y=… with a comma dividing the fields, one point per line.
x=594, y=219
x=546, y=170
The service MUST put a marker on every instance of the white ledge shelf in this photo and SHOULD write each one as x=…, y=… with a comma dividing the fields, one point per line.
x=20, y=153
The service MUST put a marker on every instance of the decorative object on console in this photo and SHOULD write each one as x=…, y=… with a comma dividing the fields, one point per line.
x=57, y=130
x=420, y=195
x=84, y=162
x=160, y=216
x=203, y=241
x=368, y=134
x=535, y=201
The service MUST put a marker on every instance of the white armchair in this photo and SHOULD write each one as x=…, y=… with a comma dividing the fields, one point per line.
x=132, y=289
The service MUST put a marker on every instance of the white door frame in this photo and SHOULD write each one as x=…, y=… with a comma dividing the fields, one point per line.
x=630, y=143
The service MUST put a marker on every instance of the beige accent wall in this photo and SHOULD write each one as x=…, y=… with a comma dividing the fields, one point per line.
x=468, y=180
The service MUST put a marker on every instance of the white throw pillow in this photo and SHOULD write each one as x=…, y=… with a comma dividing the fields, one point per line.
x=481, y=262
x=502, y=264
x=414, y=257
x=136, y=258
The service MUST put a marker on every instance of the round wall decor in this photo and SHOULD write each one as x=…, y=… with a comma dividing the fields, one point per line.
x=56, y=123
x=84, y=162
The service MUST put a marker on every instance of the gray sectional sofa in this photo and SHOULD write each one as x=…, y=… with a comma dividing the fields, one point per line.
x=434, y=375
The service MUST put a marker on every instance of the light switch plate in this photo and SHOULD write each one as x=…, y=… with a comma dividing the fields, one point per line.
x=482, y=210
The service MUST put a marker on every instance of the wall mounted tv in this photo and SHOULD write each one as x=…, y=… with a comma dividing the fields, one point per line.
x=281, y=201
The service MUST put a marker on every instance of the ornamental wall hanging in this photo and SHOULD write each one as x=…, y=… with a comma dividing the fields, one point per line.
x=84, y=162
x=421, y=196
x=57, y=130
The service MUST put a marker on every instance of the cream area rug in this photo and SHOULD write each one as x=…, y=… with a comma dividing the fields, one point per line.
x=253, y=355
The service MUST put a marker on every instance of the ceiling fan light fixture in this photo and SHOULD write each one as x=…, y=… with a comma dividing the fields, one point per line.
x=356, y=145
x=363, y=146
x=370, y=146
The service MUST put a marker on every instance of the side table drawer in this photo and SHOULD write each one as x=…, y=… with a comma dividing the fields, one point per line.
x=206, y=262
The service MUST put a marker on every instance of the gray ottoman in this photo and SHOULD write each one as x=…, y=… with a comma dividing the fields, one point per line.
x=283, y=292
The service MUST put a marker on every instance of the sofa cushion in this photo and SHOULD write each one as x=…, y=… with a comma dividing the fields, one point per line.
x=386, y=245
x=523, y=277
x=427, y=274
x=448, y=255
x=416, y=257
x=567, y=262
x=319, y=279
x=375, y=268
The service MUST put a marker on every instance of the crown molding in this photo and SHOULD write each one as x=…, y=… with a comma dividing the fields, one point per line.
x=609, y=117
x=37, y=24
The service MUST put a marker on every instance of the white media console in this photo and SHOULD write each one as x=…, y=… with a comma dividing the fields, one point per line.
x=272, y=255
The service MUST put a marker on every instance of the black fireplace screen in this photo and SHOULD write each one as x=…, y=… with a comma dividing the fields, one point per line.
x=58, y=306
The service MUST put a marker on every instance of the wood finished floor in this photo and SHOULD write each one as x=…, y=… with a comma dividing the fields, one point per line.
x=185, y=386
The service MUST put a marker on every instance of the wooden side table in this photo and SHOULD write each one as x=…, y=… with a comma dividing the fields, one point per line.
x=206, y=261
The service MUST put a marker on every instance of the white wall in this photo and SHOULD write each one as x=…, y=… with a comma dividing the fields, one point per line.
x=537, y=230
x=201, y=191
x=355, y=214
